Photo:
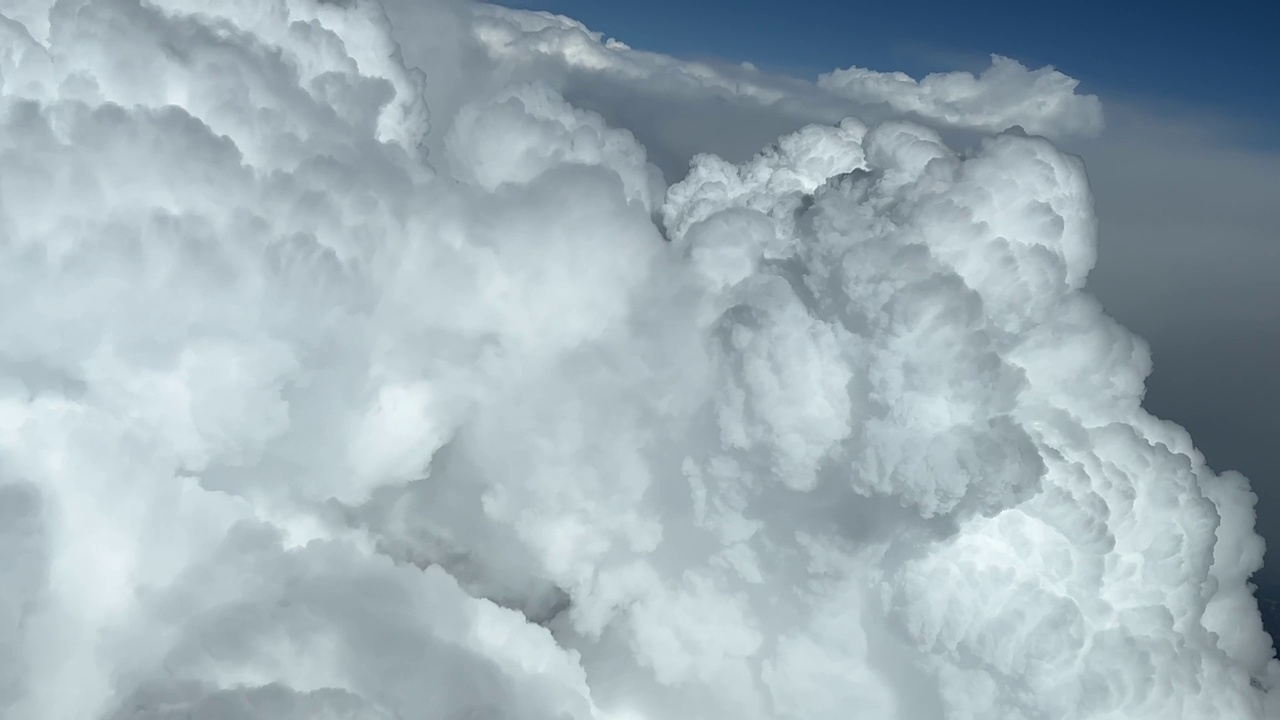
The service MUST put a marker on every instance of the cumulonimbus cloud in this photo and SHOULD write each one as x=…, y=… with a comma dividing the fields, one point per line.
x=348, y=372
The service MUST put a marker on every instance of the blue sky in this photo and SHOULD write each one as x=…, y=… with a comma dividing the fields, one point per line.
x=1222, y=58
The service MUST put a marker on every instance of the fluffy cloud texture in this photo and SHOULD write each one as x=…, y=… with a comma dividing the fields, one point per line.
x=1043, y=101
x=350, y=371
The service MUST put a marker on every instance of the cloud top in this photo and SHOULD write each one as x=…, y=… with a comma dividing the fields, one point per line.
x=1042, y=101
x=1004, y=95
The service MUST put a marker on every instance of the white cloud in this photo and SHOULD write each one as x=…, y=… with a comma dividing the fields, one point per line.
x=318, y=404
x=1043, y=101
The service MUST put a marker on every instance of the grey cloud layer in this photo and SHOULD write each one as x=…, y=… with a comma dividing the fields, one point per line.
x=346, y=374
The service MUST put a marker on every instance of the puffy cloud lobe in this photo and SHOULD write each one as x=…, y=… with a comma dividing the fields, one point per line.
x=1006, y=94
x=300, y=420
x=496, y=142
